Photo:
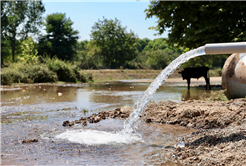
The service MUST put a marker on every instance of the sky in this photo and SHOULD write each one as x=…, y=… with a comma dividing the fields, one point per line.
x=85, y=13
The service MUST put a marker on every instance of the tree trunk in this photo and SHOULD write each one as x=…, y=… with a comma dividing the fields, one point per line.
x=13, y=49
x=1, y=60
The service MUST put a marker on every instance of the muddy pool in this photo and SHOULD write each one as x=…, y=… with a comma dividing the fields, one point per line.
x=38, y=111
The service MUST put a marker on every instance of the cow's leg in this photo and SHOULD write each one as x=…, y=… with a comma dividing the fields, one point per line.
x=188, y=82
x=207, y=83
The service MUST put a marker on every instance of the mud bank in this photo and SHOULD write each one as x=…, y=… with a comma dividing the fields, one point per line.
x=220, y=138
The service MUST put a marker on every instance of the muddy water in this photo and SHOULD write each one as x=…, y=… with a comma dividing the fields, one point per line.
x=37, y=112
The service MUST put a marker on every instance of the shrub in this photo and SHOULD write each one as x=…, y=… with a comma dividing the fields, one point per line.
x=9, y=75
x=66, y=71
x=26, y=73
x=50, y=70
x=215, y=72
x=41, y=73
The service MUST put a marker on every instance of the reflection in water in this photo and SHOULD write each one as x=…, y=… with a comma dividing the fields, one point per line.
x=38, y=94
x=97, y=96
x=187, y=96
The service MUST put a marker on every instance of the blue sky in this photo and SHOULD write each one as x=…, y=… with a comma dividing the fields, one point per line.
x=85, y=13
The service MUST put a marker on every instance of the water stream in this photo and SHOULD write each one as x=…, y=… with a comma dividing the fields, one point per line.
x=128, y=133
x=131, y=123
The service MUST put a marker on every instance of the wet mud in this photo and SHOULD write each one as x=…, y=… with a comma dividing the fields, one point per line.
x=122, y=113
x=220, y=137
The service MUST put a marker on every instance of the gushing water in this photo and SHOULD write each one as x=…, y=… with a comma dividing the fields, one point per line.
x=131, y=123
x=93, y=137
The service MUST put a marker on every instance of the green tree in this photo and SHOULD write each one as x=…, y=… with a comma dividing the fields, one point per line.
x=29, y=52
x=89, y=56
x=18, y=20
x=142, y=43
x=3, y=24
x=159, y=59
x=116, y=45
x=81, y=45
x=60, y=38
x=193, y=23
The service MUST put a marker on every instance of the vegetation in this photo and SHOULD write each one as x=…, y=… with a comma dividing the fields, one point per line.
x=193, y=24
x=51, y=70
x=57, y=55
x=3, y=24
x=18, y=20
x=60, y=37
x=220, y=95
x=115, y=45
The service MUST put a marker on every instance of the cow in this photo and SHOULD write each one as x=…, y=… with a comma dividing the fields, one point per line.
x=197, y=72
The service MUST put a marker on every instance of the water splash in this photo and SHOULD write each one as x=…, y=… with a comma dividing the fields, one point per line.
x=95, y=137
x=131, y=123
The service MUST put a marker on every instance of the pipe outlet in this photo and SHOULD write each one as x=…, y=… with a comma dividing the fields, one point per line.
x=225, y=48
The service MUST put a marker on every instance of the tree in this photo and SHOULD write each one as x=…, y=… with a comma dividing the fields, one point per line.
x=29, y=52
x=88, y=55
x=3, y=24
x=81, y=45
x=193, y=23
x=60, y=38
x=116, y=44
x=159, y=59
x=18, y=20
x=141, y=43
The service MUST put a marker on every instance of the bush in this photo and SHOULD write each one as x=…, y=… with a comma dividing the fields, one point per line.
x=10, y=75
x=26, y=73
x=50, y=70
x=65, y=71
x=215, y=72
x=41, y=73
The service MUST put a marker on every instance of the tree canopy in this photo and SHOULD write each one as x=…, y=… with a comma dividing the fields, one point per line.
x=60, y=38
x=195, y=23
x=18, y=20
x=116, y=45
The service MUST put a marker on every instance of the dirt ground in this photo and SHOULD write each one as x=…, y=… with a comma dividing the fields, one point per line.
x=220, y=136
x=149, y=75
x=213, y=80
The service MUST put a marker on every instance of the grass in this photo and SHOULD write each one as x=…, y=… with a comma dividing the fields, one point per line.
x=84, y=111
x=18, y=113
x=67, y=109
x=216, y=96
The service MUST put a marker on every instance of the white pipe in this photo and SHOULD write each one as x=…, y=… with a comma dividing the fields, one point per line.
x=225, y=48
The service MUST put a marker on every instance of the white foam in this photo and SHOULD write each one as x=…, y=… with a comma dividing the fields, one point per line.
x=95, y=137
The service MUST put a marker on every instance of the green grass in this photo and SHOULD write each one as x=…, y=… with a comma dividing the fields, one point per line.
x=216, y=96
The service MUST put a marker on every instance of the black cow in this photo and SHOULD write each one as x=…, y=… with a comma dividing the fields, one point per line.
x=197, y=72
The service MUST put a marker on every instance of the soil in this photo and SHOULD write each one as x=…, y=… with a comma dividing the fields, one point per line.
x=105, y=75
x=220, y=136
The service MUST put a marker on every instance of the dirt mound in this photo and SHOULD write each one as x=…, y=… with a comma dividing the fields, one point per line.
x=219, y=140
x=213, y=147
x=198, y=114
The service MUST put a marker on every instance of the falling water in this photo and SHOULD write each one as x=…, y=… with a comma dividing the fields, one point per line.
x=131, y=123
x=127, y=135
